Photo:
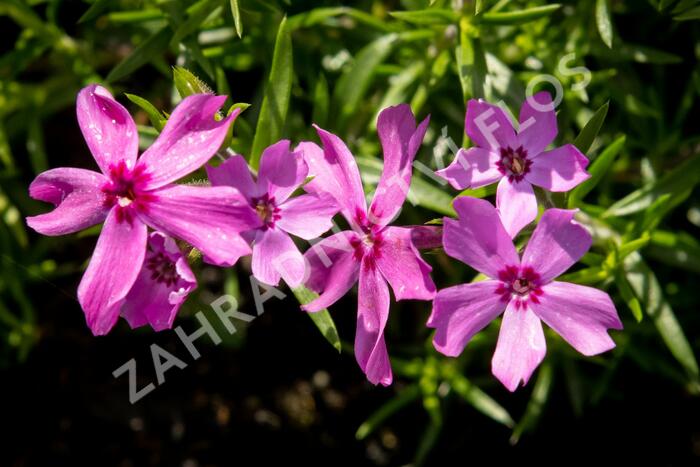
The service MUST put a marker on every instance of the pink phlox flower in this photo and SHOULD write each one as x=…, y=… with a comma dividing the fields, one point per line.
x=308, y=216
x=372, y=252
x=518, y=160
x=524, y=287
x=162, y=286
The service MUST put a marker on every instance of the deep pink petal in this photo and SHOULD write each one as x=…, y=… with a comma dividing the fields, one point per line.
x=538, y=123
x=77, y=197
x=335, y=172
x=234, y=172
x=307, y=216
x=461, y=311
x=472, y=168
x=478, y=238
x=275, y=255
x=581, y=315
x=209, y=218
x=426, y=237
x=162, y=286
x=520, y=348
x=516, y=203
x=372, y=315
x=190, y=138
x=400, y=141
x=401, y=265
x=560, y=169
x=107, y=127
x=488, y=126
x=113, y=268
x=281, y=171
x=556, y=244
x=333, y=269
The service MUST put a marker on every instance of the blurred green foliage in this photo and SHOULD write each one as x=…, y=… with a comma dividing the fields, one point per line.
x=630, y=80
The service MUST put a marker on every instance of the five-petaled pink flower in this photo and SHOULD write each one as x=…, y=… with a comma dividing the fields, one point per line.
x=308, y=216
x=161, y=287
x=131, y=194
x=517, y=160
x=523, y=287
x=372, y=251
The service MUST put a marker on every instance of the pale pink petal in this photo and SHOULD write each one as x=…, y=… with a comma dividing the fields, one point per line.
x=209, y=218
x=234, y=172
x=333, y=268
x=400, y=141
x=488, y=126
x=426, y=237
x=113, y=268
x=372, y=315
x=107, y=127
x=560, y=169
x=162, y=286
x=335, y=172
x=478, y=238
x=472, y=168
x=461, y=311
x=516, y=203
x=275, y=255
x=520, y=348
x=581, y=315
x=281, y=171
x=556, y=244
x=77, y=197
x=538, y=123
x=307, y=216
x=190, y=138
x=401, y=265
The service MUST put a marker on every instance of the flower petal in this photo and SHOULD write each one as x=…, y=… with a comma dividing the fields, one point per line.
x=538, y=123
x=190, y=138
x=333, y=269
x=560, y=169
x=113, y=268
x=209, y=218
x=372, y=315
x=401, y=265
x=335, y=172
x=425, y=237
x=307, y=216
x=461, y=311
x=400, y=142
x=488, y=126
x=275, y=255
x=478, y=238
x=281, y=171
x=579, y=314
x=153, y=299
x=516, y=203
x=520, y=348
x=556, y=244
x=107, y=127
x=77, y=197
x=234, y=172
x=472, y=168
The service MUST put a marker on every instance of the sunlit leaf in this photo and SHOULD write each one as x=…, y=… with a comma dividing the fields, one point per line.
x=273, y=112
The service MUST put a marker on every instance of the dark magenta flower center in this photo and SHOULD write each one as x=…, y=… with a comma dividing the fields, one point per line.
x=162, y=268
x=522, y=285
x=370, y=238
x=514, y=163
x=267, y=210
x=125, y=190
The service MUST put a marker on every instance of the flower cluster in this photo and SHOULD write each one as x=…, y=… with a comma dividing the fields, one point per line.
x=145, y=277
